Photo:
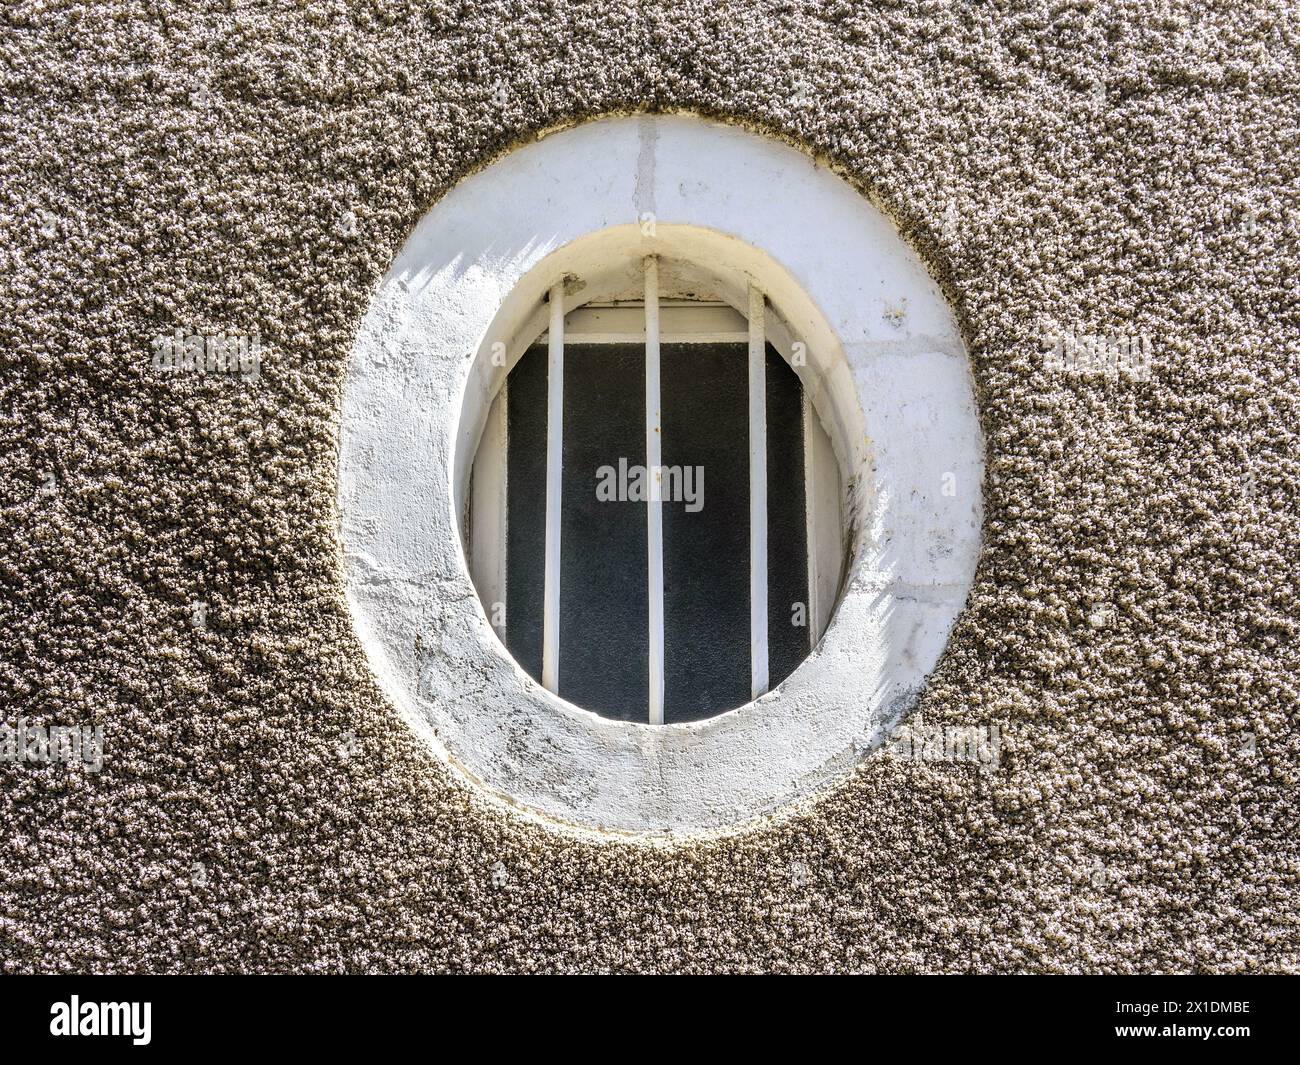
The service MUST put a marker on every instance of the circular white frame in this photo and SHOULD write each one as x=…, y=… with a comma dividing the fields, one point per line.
x=887, y=373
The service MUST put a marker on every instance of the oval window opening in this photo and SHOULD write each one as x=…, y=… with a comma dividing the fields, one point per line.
x=693, y=557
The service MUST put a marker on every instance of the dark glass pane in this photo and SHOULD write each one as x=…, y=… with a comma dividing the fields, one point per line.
x=526, y=509
x=604, y=611
x=604, y=648
x=705, y=391
x=787, y=531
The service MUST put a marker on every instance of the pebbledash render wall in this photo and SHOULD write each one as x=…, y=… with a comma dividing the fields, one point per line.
x=1096, y=177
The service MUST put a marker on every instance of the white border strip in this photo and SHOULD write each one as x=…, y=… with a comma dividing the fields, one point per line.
x=487, y=515
x=571, y=339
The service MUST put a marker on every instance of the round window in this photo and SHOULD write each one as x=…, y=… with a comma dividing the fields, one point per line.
x=654, y=520
x=659, y=477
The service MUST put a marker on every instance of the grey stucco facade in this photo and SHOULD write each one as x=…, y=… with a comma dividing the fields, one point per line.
x=1096, y=168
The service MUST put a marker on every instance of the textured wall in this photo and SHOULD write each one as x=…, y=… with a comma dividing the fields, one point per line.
x=1102, y=166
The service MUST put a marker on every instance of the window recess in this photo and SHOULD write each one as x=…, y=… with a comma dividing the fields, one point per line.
x=654, y=507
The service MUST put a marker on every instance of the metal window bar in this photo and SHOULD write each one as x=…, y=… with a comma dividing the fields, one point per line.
x=554, y=464
x=654, y=504
x=757, y=495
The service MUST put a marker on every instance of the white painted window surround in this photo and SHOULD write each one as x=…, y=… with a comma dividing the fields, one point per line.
x=886, y=376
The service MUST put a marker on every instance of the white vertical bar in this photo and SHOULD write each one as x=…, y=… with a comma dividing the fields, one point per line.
x=554, y=463
x=654, y=506
x=813, y=608
x=757, y=495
